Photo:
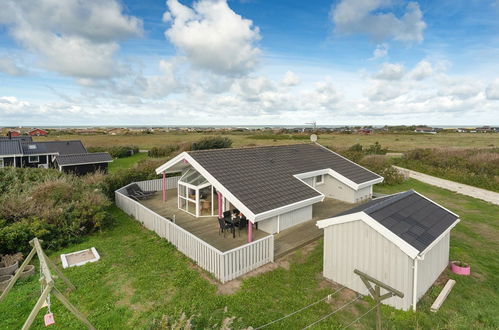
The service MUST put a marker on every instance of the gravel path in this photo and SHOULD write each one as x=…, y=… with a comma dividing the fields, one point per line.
x=464, y=189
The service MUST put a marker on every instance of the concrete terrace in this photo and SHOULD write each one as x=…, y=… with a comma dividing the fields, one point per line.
x=207, y=228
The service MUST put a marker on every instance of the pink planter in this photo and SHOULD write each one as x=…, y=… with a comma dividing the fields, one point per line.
x=460, y=270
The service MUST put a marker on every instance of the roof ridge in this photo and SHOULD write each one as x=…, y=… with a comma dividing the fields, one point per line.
x=252, y=147
x=388, y=201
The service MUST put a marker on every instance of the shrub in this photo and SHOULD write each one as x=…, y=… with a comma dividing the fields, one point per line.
x=55, y=207
x=476, y=167
x=214, y=142
x=116, y=151
x=382, y=166
x=163, y=151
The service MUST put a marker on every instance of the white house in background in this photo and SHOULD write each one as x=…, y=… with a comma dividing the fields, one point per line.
x=401, y=240
x=274, y=186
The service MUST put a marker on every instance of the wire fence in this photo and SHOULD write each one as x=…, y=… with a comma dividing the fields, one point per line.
x=333, y=312
x=328, y=297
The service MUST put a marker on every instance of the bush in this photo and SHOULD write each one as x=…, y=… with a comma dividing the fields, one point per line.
x=55, y=207
x=214, y=142
x=116, y=151
x=476, y=167
x=381, y=165
x=163, y=151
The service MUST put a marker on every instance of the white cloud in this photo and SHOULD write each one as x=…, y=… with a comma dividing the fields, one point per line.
x=71, y=37
x=10, y=67
x=422, y=70
x=390, y=71
x=380, y=51
x=385, y=91
x=492, y=90
x=290, y=79
x=364, y=16
x=213, y=37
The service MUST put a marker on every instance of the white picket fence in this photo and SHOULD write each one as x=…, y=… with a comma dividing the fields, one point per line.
x=225, y=266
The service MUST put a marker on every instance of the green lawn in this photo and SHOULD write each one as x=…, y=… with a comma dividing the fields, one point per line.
x=141, y=277
x=126, y=162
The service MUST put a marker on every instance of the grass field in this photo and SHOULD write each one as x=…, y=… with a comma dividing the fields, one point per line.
x=141, y=277
x=395, y=142
x=127, y=162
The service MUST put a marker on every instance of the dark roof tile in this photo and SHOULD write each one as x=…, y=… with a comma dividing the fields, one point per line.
x=415, y=219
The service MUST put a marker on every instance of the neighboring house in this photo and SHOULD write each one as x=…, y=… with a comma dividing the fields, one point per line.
x=83, y=163
x=13, y=133
x=38, y=132
x=19, y=153
x=275, y=187
x=401, y=240
x=428, y=130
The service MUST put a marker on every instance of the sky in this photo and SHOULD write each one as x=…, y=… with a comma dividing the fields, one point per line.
x=249, y=62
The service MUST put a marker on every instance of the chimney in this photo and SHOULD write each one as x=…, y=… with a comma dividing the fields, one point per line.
x=10, y=135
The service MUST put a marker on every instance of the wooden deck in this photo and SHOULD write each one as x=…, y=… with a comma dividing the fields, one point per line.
x=206, y=228
x=293, y=238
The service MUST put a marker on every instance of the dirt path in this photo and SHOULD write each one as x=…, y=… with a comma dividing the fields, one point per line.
x=486, y=195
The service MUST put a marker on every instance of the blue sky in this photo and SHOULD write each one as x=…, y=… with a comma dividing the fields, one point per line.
x=350, y=62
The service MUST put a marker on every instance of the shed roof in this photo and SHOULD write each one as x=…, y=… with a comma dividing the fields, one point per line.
x=10, y=147
x=84, y=158
x=263, y=178
x=414, y=218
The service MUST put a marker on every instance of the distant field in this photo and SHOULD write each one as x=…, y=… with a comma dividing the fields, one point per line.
x=394, y=142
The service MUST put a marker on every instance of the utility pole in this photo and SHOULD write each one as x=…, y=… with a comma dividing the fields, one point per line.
x=376, y=293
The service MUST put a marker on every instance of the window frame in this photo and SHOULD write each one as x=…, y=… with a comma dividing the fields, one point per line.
x=31, y=161
x=318, y=183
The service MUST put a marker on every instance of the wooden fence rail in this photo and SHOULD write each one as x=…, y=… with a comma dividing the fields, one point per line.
x=225, y=266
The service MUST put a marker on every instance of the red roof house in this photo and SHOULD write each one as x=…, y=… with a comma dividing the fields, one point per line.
x=38, y=132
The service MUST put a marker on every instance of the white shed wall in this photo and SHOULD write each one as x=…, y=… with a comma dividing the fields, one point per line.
x=434, y=263
x=286, y=220
x=355, y=245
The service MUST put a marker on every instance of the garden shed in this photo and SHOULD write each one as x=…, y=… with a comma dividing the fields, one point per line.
x=401, y=240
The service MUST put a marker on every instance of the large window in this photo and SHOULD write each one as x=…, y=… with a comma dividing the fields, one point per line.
x=195, y=194
x=33, y=159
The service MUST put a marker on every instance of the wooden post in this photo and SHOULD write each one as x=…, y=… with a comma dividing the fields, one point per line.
x=376, y=293
x=164, y=186
x=250, y=231
x=219, y=196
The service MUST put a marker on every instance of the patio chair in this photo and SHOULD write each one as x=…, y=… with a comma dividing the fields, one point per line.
x=135, y=192
x=223, y=225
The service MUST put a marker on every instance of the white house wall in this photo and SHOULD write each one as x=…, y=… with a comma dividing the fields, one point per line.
x=355, y=245
x=434, y=263
x=333, y=188
x=268, y=225
x=286, y=220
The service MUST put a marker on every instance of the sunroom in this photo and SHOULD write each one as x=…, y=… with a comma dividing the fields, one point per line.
x=196, y=195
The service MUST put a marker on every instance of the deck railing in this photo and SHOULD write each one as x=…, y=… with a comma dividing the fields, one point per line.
x=225, y=266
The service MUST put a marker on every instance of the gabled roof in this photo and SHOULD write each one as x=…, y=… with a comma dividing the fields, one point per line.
x=413, y=218
x=54, y=147
x=34, y=148
x=10, y=148
x=64, y=147
x=267, y=178
x=84, y=158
